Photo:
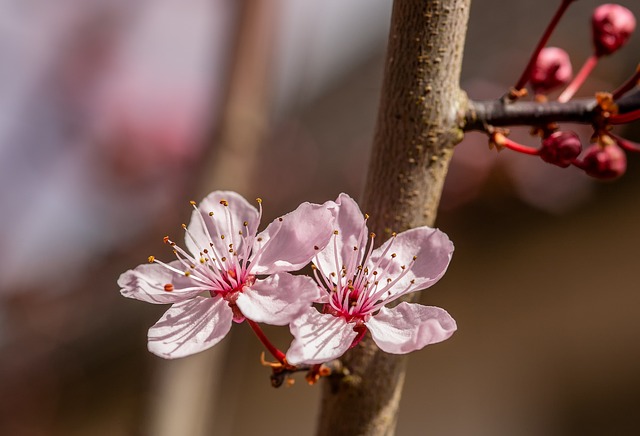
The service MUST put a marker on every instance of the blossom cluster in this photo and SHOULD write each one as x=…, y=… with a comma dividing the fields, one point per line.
x=231, y=273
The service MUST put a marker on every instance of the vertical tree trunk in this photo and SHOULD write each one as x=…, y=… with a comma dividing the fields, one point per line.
x=417, y=127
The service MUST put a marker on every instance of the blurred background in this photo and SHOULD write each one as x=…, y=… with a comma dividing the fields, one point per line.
x=115, y=114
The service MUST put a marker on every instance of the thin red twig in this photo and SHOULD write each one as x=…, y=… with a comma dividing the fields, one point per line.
x=524, y=78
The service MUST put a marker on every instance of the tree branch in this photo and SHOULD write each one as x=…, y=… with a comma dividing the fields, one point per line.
x=416, y=131
x=498, y=113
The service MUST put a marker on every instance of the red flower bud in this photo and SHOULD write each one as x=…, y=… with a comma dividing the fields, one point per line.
x=607, y=163
x=612, y=26
x=552, y=69
x=561, y=148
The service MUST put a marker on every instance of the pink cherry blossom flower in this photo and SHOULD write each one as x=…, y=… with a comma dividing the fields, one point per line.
x=216, y=279
x=359, y=282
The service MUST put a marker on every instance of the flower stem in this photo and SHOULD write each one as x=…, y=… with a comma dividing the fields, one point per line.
x=277, y=354
x=503, y=141
x=625, y=118
x=577, y=82
x=628, y=85
x=626, y=144
x=543, y=41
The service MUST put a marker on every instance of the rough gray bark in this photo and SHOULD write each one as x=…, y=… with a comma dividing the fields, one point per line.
x=417, y=128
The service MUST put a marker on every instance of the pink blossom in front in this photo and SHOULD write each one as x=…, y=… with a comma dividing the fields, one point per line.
x=360, y=281
x=219, y=277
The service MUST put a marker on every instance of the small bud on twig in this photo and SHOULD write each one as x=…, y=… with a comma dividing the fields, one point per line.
x=551, y=70
x=612, y=26
x=561, y=148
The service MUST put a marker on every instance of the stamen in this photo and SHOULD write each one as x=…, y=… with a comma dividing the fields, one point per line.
x=328, y=284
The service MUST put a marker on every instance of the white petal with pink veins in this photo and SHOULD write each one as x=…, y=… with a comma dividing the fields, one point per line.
x=190, y=327
x=409, y=327
x=147, y=283
x=319, y=338
x=278, y=299
x=351, y=228
x=226, y=220
x=433, y=251
x=291, y=241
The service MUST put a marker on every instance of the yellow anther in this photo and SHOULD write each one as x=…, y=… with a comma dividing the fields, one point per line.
x=225, y=203
x=151, y=259
x=184, y=226
x=366, y=216
x=165, y=239
x=335, y=232
x=415, y=257
x=224, y=259
x=187, y=273
x=246, y=223
x=210, y=213
x=372, y=235
x=393, y=255
x=192, y=203
x=221, y=236
x=259, y=200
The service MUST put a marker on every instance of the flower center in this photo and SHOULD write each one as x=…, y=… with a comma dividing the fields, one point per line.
x=221, y=267
x=365, y=281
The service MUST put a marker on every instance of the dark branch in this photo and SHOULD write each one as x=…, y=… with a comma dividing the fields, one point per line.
x=481, y=114
x=629, y=102
x=498, y=113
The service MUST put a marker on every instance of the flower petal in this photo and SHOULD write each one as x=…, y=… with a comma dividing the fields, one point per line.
x=433, y=251
x=350, y=224
x=319, y=338
x=147, y=283
x=226, y=220
x=291, y=241
x=279, y=298
x=190, y=327
x=409, y=327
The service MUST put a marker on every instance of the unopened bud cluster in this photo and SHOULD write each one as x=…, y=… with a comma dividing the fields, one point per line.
x=550, y=68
